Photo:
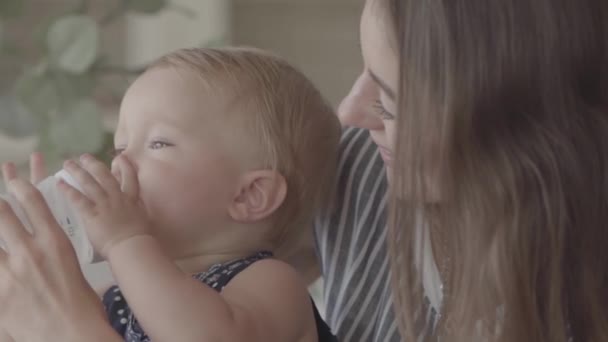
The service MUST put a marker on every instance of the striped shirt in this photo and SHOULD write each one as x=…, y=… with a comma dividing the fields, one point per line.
x=351, y=242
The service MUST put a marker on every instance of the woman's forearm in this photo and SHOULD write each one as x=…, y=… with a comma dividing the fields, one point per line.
x=4, y=337
x=92, y=331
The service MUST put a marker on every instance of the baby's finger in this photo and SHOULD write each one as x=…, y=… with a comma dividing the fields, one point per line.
x=116, y=171
x=101, y=173
x=128, y=176
x=3, y=254
x=38, y=170
x=76, y=198
x=86, y=181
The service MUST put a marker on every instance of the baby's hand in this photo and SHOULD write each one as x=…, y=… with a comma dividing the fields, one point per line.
x=111, y=211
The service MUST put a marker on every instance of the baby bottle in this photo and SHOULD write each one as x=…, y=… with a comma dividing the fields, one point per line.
x=63, y=212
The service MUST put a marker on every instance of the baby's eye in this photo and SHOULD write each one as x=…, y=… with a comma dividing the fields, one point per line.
x=115, y=152
x=156, y=145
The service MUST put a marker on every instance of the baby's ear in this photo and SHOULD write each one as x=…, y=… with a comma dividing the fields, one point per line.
x=259, y=194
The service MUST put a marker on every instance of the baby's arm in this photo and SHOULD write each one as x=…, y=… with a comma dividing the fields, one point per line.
x=101, y=290
x=266, y=302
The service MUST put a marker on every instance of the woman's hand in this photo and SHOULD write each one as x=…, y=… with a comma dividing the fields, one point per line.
x=37, y=173
x=109, y=203
x=43, y=293
x=38, y=170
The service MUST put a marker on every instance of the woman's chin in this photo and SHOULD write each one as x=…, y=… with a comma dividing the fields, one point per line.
x=389, y=175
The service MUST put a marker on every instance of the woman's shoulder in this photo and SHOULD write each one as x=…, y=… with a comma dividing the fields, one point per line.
x=361, y=186
x=361, y=171
x=357, y=144
x=350, y=237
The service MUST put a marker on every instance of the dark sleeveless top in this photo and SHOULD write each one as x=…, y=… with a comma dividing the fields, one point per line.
x=217, y=277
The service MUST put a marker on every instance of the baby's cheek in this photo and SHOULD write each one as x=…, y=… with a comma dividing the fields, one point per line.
x=176, y=209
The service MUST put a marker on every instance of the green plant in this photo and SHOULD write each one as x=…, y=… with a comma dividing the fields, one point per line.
x=59, y=85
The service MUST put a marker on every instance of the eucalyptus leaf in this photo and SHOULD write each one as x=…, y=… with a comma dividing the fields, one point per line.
x=53, y=158
x=146, y=6
x=36, y=91
x=80, y=130
x=39, y=33
x=72, y=86
x=10, y=49
x=72, y=42
x=15, y=121
x=11, y=8
x=105, y=153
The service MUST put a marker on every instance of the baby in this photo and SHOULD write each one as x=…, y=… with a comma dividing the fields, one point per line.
x=223, y=156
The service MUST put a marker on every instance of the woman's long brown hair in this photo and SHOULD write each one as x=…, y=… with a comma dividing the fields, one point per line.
x=503, y=118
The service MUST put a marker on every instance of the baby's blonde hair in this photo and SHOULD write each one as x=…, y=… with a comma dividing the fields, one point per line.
x=295, y=127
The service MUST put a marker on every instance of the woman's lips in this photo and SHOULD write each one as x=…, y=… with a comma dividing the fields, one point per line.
x=386, y=155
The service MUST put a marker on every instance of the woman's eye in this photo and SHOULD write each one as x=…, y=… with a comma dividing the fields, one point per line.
x=382, y=112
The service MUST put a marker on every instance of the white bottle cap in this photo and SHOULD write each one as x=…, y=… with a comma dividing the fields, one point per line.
x=63, y=212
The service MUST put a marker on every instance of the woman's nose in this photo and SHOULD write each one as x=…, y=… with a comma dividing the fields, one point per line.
x=356, y=109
